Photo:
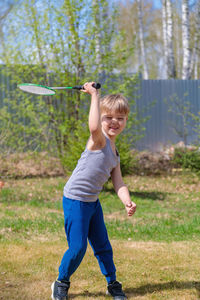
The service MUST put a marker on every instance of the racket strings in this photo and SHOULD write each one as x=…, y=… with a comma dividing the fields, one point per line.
x=44, y=90
x=37, y=90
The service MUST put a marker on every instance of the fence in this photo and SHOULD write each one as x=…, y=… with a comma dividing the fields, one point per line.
x=180, y=95
x=154, y=100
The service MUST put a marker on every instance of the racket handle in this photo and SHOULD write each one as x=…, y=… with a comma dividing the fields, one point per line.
x=81, y=87
x=96, y=85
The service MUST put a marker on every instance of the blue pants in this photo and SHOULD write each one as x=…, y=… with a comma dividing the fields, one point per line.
x=84, y=220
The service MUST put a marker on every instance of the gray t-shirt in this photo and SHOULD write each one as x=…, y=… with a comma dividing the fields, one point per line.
x=92, y=171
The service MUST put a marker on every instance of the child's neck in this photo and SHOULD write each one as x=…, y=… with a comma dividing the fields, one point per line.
x=111, y=138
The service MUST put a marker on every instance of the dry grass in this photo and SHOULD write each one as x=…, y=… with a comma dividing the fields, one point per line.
x=30, y=255
x=23, y=165
x=148, y=270
x=185, y=184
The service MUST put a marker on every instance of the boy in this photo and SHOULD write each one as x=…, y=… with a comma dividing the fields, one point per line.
x=82, y=210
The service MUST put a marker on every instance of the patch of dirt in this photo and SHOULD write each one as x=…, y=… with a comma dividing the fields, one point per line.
x=24, y=165
x=117, y=215
x=149, y=163
x=162, y=162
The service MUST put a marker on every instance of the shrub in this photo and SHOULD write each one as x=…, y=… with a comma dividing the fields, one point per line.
x=187, y=159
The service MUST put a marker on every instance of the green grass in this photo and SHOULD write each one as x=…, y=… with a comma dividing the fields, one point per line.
x=156, y=251
x=34, y=206
x=161, y=215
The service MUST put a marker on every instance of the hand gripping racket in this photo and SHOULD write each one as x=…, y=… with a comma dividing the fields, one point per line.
x=46, y=91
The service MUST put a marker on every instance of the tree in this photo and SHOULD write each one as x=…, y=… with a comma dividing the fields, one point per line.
x=97, y=21
x=59, y=47
x=186, y=40
x=5, y=9
x=47, y=49
x=165, y=43
x=181, y=109
x=195, y=20
x=171, y=69
x=141, y=39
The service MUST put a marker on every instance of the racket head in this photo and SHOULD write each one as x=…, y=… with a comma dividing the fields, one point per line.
x=36, y=89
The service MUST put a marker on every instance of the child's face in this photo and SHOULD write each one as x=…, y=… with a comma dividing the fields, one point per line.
x=113, y=123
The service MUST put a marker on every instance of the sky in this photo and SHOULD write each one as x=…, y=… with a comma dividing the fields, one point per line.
x=157, y=3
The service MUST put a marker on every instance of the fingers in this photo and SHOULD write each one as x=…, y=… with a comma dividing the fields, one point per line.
x=131, y=208
x=84, y=90
x=88, y=84
x=88, y=88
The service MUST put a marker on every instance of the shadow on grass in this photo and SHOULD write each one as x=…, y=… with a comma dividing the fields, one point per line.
x=145, y=195
x=87, y=295
x=148, y=288
x=173, y=285
x=159, y=196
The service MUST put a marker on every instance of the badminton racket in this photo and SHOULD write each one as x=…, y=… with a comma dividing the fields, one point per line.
x=46, y=91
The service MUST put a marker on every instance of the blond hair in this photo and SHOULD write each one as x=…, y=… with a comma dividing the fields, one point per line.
x=115, y=102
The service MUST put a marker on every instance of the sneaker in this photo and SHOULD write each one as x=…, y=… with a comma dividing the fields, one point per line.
x=115, y=290
x=60, y=290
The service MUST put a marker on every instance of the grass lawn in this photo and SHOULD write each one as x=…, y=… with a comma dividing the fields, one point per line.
x=156, y=251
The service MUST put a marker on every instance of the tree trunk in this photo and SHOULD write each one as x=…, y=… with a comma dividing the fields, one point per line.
x=165, y=44
x=196, y=50
x=186, y=40
x=3, y=16
x=170, y=59
x=97, y=34
x=141, y=37
x=35, y=28
x=73, y=28
x=76, y=56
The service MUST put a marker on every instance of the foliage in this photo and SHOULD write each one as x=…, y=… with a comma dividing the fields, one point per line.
x=58, y=124
x=35, y=123
x=94, y=19
x=196, y=118
x=187, y=159
x=76, y=145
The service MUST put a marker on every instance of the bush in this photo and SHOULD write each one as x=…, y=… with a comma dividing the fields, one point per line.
x=127, y=158
x=187, y=159
x=76, y=144
x=152, y=163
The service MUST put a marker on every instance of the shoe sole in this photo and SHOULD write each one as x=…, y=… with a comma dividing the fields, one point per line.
x=52, y=288
x=117, y=297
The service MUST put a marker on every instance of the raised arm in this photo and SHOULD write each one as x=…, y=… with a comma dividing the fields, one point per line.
x=94, y=120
